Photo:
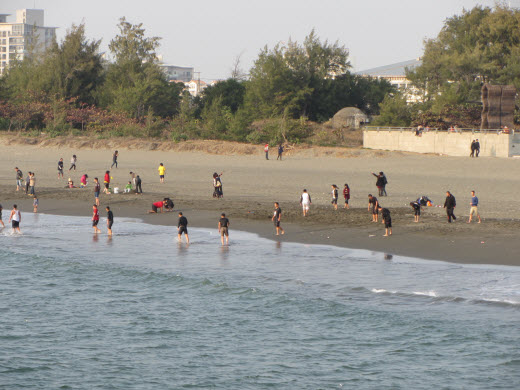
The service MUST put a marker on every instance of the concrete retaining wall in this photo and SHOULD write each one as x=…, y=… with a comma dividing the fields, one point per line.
x=443, y=142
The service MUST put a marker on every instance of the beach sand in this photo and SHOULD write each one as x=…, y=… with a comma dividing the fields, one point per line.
x=251, y=185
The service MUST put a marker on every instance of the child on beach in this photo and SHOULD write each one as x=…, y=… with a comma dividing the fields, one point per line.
x=97, y=190
x=114, y=159
x=128, y=187
x=168, y=204
x=277, y=217
x=73, y=160
x=305, y=202
x=19, y=179
x=217, y=186
x=334, y=196
x=156, y=206
x=223, y=228
x=417, y=210
x=36, y=202
x=83, y=181
x=182, y=227
x=387, y=220
x=106, y=181
x=162, y=170
x=110, y=220
x=15, y=218
x=60, y=169
x=95, y=218
x=373, y=205
x=346, y=195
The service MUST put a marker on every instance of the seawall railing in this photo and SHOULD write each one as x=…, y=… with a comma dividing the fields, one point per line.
x=434, y=129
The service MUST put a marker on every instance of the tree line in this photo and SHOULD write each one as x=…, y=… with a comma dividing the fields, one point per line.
x=72, y=88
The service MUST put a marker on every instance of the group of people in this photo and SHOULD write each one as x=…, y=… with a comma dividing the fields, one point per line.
x=475, y=148
x=280, y=151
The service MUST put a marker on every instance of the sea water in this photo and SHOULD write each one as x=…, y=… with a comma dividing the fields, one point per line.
x=140, y=311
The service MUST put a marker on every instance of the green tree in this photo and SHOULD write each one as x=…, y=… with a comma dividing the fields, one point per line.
x=230, y=91
x=394, y=111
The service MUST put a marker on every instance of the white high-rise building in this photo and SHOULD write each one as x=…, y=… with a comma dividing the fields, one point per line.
x=26, y=32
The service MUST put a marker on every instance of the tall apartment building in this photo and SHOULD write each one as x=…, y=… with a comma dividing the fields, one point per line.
x=27, y=31
x=177, y=73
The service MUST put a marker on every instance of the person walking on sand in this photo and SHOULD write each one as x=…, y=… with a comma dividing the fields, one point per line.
x=474, y=207
x=417, y=210
x=387, y=220
x=373, y=206
x=182, y=227
x=97, y=190
x=73, y=160
x=1, y=222
x=277, y=218
x=449, y=205
x=36, y=202
x=477, y=148
x=138, y=188
x=472, y=154
x=60, y=169
x=346, y=195
x=106, y=181
x=161, y=170
x=19, y=179
x=110, y=220
x=223, y=228
x=266, y=150
x=15, y=218
x=280, y=152
x=334, y=196
x=114, y=159
x=305, y=202
x=95, y=218
x=32, y=183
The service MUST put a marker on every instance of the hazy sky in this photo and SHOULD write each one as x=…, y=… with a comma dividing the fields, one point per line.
x=209, y=34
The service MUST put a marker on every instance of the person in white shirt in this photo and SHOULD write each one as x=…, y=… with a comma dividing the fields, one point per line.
x=15, y=218
x=305, y=202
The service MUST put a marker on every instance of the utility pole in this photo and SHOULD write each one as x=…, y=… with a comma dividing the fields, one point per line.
x=198, y=83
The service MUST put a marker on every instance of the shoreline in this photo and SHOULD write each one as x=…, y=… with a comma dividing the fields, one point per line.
x=252, y=184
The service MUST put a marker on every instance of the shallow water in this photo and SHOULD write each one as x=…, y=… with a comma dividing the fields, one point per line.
x=140, y=311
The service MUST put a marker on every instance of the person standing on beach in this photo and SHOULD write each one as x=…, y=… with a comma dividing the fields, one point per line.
x=474, y=207
x=387, y=220
x=161, y=170
x=277, y=218
x=335, y=196
x=110, y=220
x=449, y=205
x=15, y=218
x=417, y=210
x=97, y=190
x=472, y=154
x=1, y=222
x=36, y=202
x=95, y=219
x=106, y=181
x=60, y=168
x=223, y=228
x=182, y=227
x=138, y=188
x=73, y=160
x=373, y=205
x=32, y=183
x=346, y=195
x=114, y=159
x=27, y=182
x=266, y=150
x=218, y=192
x=379, y=182
x=305, y=202
x=280, y=152
x=477, y=148
x=132, y=177
x=19, y=179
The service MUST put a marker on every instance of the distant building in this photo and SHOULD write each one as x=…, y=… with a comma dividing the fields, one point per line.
x=195, y=87
x=26, y=32
x=395, y=74
x=349, y=117
x=177, y=73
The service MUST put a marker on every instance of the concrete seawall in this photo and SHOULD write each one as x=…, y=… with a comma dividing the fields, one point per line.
x=442, y=142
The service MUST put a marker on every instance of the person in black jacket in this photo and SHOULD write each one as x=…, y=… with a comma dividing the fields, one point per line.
x=477, y=148
x=138, y=185
x=182, y=227
x=449, y=205
x=380, y=183
x=387, y=220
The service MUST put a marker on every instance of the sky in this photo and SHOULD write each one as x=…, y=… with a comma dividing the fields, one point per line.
x=209, y=35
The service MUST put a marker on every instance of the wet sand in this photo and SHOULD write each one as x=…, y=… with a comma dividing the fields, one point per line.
x=251, y=185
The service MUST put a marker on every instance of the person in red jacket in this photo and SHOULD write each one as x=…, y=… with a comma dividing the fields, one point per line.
x=95, y=219
x=106, y=181
x=157, y=205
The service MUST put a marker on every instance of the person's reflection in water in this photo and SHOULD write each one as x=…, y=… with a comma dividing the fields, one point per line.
x=109, y=240
x=224, y=254
x=388, y=256
x=95, y=238
x=278, y=246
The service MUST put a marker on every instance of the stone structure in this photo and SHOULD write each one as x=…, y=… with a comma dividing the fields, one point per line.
x=492, y=143
x=351, y=117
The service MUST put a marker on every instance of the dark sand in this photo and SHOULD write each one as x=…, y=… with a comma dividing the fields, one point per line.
x=251, y=184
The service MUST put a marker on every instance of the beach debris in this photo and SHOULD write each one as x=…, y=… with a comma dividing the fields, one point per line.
x=371, y=235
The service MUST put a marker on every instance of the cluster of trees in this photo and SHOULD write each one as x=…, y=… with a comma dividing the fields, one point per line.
x=72, y=87
x=482, y=45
